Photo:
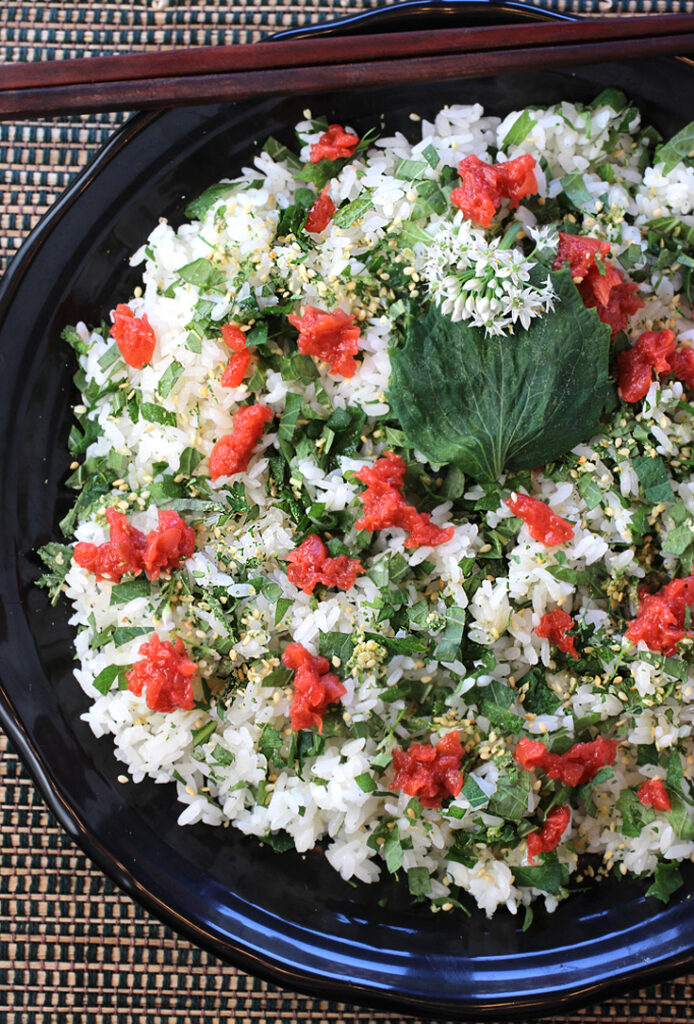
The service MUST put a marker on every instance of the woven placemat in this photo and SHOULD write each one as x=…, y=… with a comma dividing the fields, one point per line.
x=73, y=948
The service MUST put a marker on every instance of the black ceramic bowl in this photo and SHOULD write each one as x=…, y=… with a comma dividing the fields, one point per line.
x=289, y=918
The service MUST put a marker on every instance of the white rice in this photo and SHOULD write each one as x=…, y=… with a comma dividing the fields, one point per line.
x=336, y=795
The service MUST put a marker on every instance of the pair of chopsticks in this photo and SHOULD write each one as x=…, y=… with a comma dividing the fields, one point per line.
x=210, y=74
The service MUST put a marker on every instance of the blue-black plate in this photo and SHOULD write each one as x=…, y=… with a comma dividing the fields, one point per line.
x=288, y=918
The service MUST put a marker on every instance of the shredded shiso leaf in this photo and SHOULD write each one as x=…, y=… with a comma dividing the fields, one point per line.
x=508, y=392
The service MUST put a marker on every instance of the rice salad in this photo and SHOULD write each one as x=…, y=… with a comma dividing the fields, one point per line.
x=439, y=685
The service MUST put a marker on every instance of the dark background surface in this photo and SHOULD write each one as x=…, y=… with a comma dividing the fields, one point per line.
x=71, y=946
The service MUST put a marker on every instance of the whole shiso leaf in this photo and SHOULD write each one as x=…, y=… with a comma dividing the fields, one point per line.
x=486, y=404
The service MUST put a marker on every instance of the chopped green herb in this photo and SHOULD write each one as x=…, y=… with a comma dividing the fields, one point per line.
x=475, y=796
x=679, y=149
x=58, y=560
x=573, y=187
x=539, y=699
x=511, y=797
x=398, y=644
x=222, y=756
x=667, y=879
x=110, y=356
x=547, y=877
x=339, y=645
x=167, y=380
x=654, y=478
x=201, y=272
x=124, y=634
x=73, y=338
x=293, y=218
x=280, y=842
x=280, y=154
x=431, y=156
x=157, y=414
x=107, y=677
x=290, y=416
x=347, y=215
x=203, y=734
x=678, y=540
x=449, y=645
x=519, y=130
x=199, y=207
x=283, y=606
x=409, y=170
x=680, y=818
x=190, y=459
x=590, y=492
x=411, y=233
x=419, y=881
x=366, y=782
x=634, y=814
x=121, y=593
x=610, y=98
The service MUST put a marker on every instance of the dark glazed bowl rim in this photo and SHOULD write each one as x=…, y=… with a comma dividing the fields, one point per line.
x=315, y=978
x=396, y=16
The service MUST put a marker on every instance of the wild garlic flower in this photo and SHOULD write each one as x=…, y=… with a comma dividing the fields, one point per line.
x=482, y=280
x=546, y=239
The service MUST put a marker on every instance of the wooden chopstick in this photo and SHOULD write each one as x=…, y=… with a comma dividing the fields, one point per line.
x=340, y=50
x=283, y=78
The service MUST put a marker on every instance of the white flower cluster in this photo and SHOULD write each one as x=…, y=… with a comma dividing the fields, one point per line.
x=474, y=278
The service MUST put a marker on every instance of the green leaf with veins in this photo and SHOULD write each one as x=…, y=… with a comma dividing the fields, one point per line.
x=348, y=215
x=614, y=98
x=171, y=374
x=320, y=173
x=392, y=851
x=680, y=818
x=679, y=148
x=106, y=678
x=654, y=478
x=339, y=645
x=667, y=227
x=279, y=152
x=58, y=560
x=574, y=188
x=486, y=404
x=157, y=414
x=510, y=800
x=419, y=881
x=124, y=634
x=548, y=877
x=201, y=272
x=635, y=815
x=121, y=593
x=501, y=718
x=539, y=699
x=292, y=219
x=475, y=796
x=520, y=128
x=666, y=880
x=199, y=207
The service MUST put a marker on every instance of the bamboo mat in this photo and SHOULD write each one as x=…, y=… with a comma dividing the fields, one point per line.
x=73, y=949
